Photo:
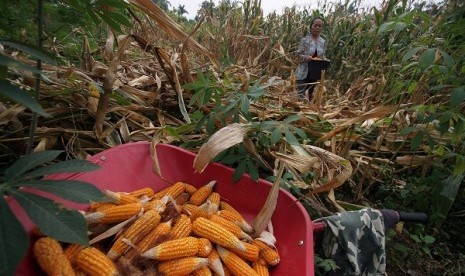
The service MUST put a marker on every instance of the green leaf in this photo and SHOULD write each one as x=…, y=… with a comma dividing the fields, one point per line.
x=429, y=239
x=114, y=3
x=75, y=165
x=121, y=19
x=276, y=135
x=52, y=219
x=292, y=118
x=427, y=58
x=15, y=94
x=400, y=26
x=290, y=138
x=245, y=104
x=14, y=240
x=29, y=162
x=31, y=50
x=10, y=62
x=106, y=16
x=386, y=27
x=253, y=171
x=457, y=96
x=417, y=140
x=73, y=190
x=231, y=159
x=239, y=171
x=410, y=53
x=407, y=130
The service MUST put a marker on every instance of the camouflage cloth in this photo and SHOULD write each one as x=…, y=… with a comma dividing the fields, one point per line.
x=355, y=240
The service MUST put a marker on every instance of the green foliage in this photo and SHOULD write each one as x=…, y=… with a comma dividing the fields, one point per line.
x=23, y=181
x=324, y=266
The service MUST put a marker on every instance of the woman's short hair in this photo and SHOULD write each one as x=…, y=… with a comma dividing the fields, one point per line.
x=315, y=18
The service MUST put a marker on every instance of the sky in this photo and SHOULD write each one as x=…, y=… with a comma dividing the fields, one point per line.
x=192, y=6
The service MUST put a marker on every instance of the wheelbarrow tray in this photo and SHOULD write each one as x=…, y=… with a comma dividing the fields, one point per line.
x=129, y=167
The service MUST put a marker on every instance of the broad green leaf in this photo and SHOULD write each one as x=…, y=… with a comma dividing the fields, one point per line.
x=231, y=159
x=253, y=171
x=106, y=16
x=73, y=190
x=120, y=4
x=31, y=50
x=15, y=94
x=290, y=138
x=121, y=19
x=276, y=135
x=400, y=26
x=52, y=219
x=239, y=171
x=429, y=239
x=74, y=165
x=14, y=240
x=9, y=62
x=457, y=96
x=416, y=141
x=292, y=118
x=427, y=58
x=29, y=162
x=386, y=27
x=245, y=104
x=410, y=53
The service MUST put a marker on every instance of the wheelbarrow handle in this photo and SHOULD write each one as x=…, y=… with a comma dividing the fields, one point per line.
x=413, y=217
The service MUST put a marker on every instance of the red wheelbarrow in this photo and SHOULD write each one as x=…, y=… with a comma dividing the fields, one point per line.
x=129, y=167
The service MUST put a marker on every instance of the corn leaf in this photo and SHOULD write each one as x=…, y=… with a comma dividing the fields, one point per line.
x=52, y=219
x=75, y=165
x=13, y=240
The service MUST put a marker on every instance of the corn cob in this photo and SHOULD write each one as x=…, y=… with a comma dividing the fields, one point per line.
x=182, y=198
x=121, y=198
x=190, y=189
x=156, y=204
x=237, y=265
x=182, y=227
x=237, y=218
x=49, y=254
x=100, y=206
x=216, y=233
x=115, y=214
x=153, y=238
x=205, y=247
x=269, y=254
x=206, y=210
x=215, y=263
x=147, y=191
x=93, y=262
x=202, y=193
x=203, y=271
x=189, y=209
x=173, y=249
x=72, y=250
x=236, y=230
x=251, y=253
x=139, y=229
x=215, y=200
x=227, y=271
x=174, y=191
x=260, y=267
x=182, y=266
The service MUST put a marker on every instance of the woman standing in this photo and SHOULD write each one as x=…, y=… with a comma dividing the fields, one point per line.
x=311, y=47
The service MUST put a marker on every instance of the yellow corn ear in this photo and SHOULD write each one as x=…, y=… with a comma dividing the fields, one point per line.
x=121, y=198
x=261, y=268
x=190, y=189
x=215, y=263
x=182, y=198
x=51, y=258
x=237, y=218
x=238, y=266
x=269, y=254
x=205, y=210
x=153, y=238
x=93, y=262
x=181, y=266
x=177, y=189
x=215, y=200
x=189, y=209
x=115, y=214
x=173, y=249
x=100, y=206
x=250, y=254
x=147, y=191
x=161, y=193
x=182, y=227
x=231, y=226
x=205, y=247
x=226, y=206
x=203, y=271
x=139, y=229
x=202, y=193
x=216, y=233
x=72, y=250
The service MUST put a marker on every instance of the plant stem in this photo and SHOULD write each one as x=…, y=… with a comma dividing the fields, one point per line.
x=32, y=129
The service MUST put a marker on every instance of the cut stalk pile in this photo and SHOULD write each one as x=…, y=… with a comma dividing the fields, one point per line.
x=180, y=230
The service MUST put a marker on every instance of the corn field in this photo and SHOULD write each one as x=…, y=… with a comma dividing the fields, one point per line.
x=385, y=128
